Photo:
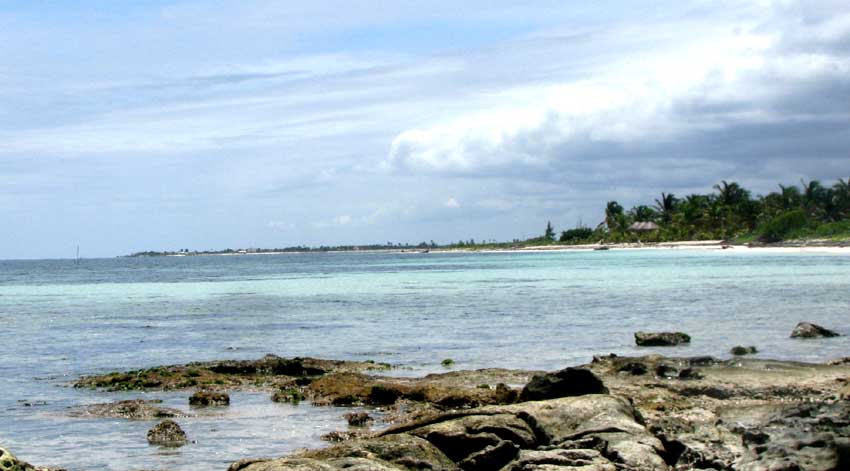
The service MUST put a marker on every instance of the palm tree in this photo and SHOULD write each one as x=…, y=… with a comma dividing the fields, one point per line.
x=693, y=209
x=841, y=197
x=731, y=194
x=814, y=198
x=613, y=216
x=642, y=213
x=790, y=197
x=666, y=206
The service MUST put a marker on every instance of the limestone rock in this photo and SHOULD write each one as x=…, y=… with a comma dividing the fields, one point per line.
x=564, y=383
x=661, y=339
x=590, y=432
x=402, y=450
x=209, y=398
x=741, y=350
x=809, y=436
x=358, y=419
x=133, y=409
x=806, y=330
x=9, y=462
x=167, y=433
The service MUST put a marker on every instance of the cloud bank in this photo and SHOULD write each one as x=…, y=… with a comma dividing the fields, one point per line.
x=260, y=123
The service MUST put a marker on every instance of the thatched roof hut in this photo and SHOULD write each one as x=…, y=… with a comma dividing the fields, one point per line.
x=643, y=226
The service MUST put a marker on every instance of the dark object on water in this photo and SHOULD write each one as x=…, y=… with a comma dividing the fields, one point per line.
x=167, y=433
x=358, y=419
x=661, y=339
x=209, y=398
x=806, y=330
x=567, y=382
x=741, y=350
x=601, y=248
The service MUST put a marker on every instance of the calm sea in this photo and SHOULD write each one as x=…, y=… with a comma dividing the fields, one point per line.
x=61, y=320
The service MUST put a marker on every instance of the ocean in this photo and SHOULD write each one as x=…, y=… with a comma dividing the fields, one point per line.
x=541, y=310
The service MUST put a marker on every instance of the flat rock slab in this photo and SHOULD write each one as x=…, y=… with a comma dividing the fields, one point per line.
x=134, y=409
x=661, y=339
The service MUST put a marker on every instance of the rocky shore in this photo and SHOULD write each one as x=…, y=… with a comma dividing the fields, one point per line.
x=615, y=413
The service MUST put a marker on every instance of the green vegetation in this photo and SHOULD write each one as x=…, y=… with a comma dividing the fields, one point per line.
x=730, y=212
x=577, y=235
x=811, y=211
x=447, y=362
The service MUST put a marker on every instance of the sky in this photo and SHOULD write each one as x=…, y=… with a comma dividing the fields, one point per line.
x=166, y=124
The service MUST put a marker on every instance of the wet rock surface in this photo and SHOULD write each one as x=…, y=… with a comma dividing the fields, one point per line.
x=660, y=413
x=806, y=330
x=661, y=339
x=10, y=462
x=600, y=429
x=270, y=371
x=358, y=419
x=209, y=398
x=167, y=433
x=134, y=409
x=740, y=350
x=616, y=413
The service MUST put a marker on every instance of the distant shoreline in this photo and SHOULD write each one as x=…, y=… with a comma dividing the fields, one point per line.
x=807, y=246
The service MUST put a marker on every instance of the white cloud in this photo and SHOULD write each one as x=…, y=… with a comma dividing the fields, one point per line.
x=708, y=80
x=451, y=203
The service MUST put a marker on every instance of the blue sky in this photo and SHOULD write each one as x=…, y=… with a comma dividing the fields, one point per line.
x=128, y=126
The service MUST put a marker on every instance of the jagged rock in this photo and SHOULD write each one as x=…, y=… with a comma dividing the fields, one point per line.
x=310, y=464
x=402, y=450
x=209, y=398
x=610, y=420
x=291, y=395
x=806, y=330
x=741, y=350
x=809, y=436
x=9, y=462
x=505, y=395
x=358, y=419
x=269, y=364
x=599, y=431
x=564, y=383
x=633, y=368
x=337, y=436
x=664, y=370
x=133, y=409
x=661, y=339
x=690, y=373
x=585, y=460
x=167, y=433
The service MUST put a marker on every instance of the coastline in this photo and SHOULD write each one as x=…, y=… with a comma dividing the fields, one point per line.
x=637, y=413
x=820, y=247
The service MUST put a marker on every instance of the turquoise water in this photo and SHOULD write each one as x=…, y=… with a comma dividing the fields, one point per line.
x=517, y=310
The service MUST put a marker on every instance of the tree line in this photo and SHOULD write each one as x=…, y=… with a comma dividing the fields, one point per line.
x=730, y=212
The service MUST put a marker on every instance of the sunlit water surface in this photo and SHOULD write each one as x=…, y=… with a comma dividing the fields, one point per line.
x=518, y=310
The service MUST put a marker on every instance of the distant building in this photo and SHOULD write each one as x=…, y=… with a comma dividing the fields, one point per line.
x=643, y=226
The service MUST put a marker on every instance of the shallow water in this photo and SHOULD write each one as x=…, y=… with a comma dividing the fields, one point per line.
x=518, y=310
